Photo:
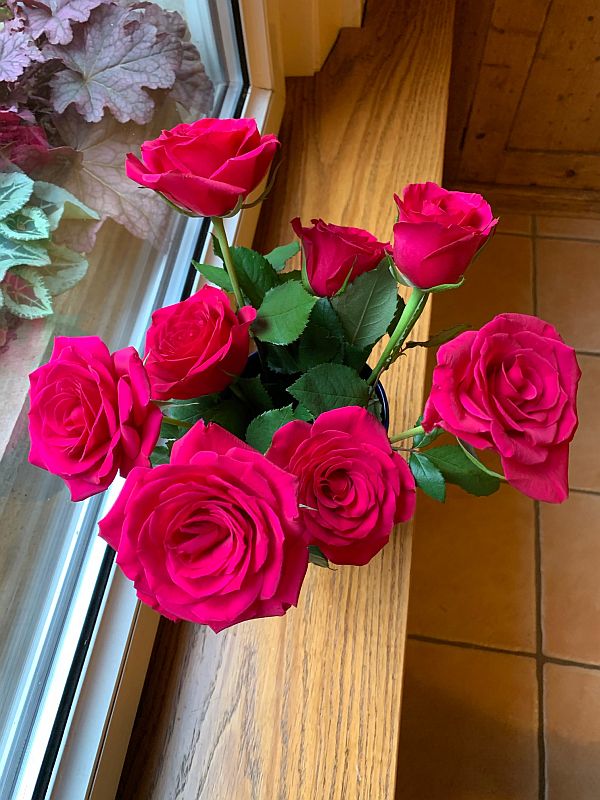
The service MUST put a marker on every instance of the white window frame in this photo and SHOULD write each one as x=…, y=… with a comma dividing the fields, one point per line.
x=96, y=736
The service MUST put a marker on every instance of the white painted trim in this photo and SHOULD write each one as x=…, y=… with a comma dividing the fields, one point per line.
x=97, y=735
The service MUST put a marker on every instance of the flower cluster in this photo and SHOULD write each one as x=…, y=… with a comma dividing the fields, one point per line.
x=252, y=434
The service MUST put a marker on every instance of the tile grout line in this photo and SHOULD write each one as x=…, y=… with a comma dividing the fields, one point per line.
x=539, y=636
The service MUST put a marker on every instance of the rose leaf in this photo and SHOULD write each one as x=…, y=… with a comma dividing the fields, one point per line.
x=25, y=294
x=110, y=62
x=329, y=386
x=278, y=257
x=255, y=274
x=214, y=274
x=367, y=306
x=427, y=476
x=456, y=468
x=284, y=313
x=322, y=339
x=262, y=429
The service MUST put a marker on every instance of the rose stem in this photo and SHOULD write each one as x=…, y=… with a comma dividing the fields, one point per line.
x=180, y=423
x=412, y=312
x=219, y=229
x=407, y=434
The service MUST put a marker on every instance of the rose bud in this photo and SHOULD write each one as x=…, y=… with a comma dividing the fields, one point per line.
x=333, y=253
x=212, y=537
x=91, y=414
x=205, y=168
x=353, y=488
x=438, y=233
x=198, y=346
x=511, y=387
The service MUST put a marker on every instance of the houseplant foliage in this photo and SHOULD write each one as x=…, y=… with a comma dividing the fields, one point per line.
x=252, y=434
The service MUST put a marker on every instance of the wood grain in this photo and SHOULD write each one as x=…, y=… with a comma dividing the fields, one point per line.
x=308, y=706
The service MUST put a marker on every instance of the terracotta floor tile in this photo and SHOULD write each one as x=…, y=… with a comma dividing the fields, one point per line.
x=568, y=227
x=499, y=280
x=514, y=223
x=469, y=725
x=570, y=536
x=585, y=452
x=568, y=290
x=572, y=733
x=472, y=572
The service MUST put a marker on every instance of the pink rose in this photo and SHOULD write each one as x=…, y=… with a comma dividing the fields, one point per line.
x=333, y=252
x=91, y=414
x=511, y=387
x=198, y=346
x=354, y=485
x=213, y=537
x=438, y=233
x=20, y=141
x=207, y=167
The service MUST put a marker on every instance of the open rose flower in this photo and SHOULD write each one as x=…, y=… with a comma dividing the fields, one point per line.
x=91, y=414
x=213, y=537
x=438, y=233
x=333, y=252
x=354, y=486
x=511, y=387
x=197, y=347
x=205, y=168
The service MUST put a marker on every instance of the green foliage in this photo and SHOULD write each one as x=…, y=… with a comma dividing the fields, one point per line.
x=457, y=468
x=400, y=306
x=254, y=393
x=424, y=439
x=284, y=313
x=255, y=274
x=367, y=306
x=262, y=429
x=323, y=337
x=26, y=224
x=214, y=274
x=316, y=557
x=329, y=386
x=427, y=476
x=277, y=258
x=15, y=190
x=439, y=338
x=25, y=294
x=160, y=455
x=58, y=204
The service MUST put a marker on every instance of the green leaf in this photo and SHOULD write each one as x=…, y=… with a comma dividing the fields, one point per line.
x=255, y=275
x=21, y=254
x=278, y=257
x=25, y=294
x=255, y=393
x=27, y=224
x=57, y=203
x=316, y=557
x=66, y=269
x=424, y=439
x=330, y=386
x=323, y=338
x=427, y=476
x=457, y=468
x=468, y=451
x=214, y=274
x=160, y=455
x=440, y=338
x=400, y=305
x=216, y=247
x=280, y=359
x=284, y=313
x=262, y=429
x=444, y=287
x=15, y=191
x=368, y=306
x=303, y=413
x=356, y=357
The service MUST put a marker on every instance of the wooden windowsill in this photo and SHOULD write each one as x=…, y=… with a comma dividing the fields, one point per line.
x=308, y=705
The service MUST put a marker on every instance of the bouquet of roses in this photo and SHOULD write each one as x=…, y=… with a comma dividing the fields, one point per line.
x=253, y=435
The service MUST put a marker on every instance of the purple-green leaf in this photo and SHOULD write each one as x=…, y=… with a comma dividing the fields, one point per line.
x=17, y=51
x=54, y=17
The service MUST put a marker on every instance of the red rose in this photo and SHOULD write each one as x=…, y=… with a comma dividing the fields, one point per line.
x=198, y=346
x=213, y=537
x=20, y=141
x=333, y=252
x=91, y=414
x=354, y=485
x=438, y=233
x=511, y=387
x=207, y=167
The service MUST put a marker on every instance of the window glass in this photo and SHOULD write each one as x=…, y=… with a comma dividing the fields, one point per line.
x=111, y=253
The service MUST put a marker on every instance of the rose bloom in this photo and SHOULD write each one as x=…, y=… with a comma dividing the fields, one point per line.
x=213, y=537
x=438, y=233
x=333, y=252
x=197, y=347
x=205, y=168
x=20, y=140
x=354, y=485
x=91, y=414
x=511, y=387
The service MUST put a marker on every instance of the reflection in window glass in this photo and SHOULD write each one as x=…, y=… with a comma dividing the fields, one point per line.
x=83, y=251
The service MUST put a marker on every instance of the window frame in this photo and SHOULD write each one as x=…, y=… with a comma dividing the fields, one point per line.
x=121, y=631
